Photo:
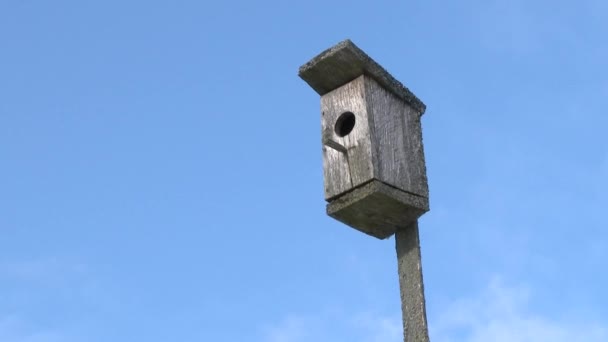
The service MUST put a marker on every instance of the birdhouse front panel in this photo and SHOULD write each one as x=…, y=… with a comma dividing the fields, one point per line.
x=347, y=154
x=369, y=133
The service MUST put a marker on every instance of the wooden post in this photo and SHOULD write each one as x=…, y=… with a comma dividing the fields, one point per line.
x=410, y=283
x=373, y=161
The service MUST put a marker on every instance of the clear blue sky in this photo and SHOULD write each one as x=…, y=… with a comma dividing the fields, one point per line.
x=161, y=179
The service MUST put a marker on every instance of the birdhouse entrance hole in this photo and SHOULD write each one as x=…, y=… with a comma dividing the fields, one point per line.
x=345, y=124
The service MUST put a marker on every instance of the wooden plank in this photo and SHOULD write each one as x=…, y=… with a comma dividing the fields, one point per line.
x=411, y=284
x=396, y=139
x=377, y=209
x=343, y=63
x=345, y=170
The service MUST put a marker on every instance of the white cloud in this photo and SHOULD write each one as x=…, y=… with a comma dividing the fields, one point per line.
x=30, y=288
x=336, y=327
x=497, y=313
x=292, y=329
x=42, y=270
x=378, y=328
x=500, y=313
x=12, y=329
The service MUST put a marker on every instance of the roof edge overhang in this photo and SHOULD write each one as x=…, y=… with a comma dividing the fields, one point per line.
x=343, y=63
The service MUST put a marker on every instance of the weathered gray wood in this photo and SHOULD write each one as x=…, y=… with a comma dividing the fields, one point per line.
x=329, y=142
x=343, y=63
x=385, y=144
x=377, y=209
x=343, y=171
x=411, y=284
x=396, y=135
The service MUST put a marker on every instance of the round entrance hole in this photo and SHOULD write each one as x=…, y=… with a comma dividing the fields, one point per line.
x=345, y=124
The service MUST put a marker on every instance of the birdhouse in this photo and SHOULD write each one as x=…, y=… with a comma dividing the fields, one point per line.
x=373, y=159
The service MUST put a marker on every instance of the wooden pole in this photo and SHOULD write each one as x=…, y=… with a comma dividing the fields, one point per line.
x=411, y=285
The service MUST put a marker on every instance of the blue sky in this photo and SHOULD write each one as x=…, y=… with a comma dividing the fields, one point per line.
x=161, y=180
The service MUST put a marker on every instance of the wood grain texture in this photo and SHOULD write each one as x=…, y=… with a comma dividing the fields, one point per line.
x=344, y=171
x=396, y=138
x=411, y=283
x=377, y=209
x=343, y=63
x=385, y=144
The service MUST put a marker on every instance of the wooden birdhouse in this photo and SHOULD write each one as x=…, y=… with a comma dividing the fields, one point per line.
x=373, y=159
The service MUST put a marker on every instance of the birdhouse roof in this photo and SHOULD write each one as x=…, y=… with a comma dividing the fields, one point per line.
x=343, y=63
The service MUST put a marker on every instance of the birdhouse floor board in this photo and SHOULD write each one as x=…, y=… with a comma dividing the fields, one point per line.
x=377, y=209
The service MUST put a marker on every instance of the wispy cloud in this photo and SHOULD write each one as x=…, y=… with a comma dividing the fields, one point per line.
x=31, y=288
x=379, y=328
x=13, y=329
x=502, y=313
x=336, y=326
x=291, y=329
x=498, y=313
x=44, y=269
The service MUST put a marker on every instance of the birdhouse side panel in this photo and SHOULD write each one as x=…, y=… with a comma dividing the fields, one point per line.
x=396, y=139
x=347, y=160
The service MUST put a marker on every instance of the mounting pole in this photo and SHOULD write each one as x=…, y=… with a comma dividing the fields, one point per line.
x=411, y=285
